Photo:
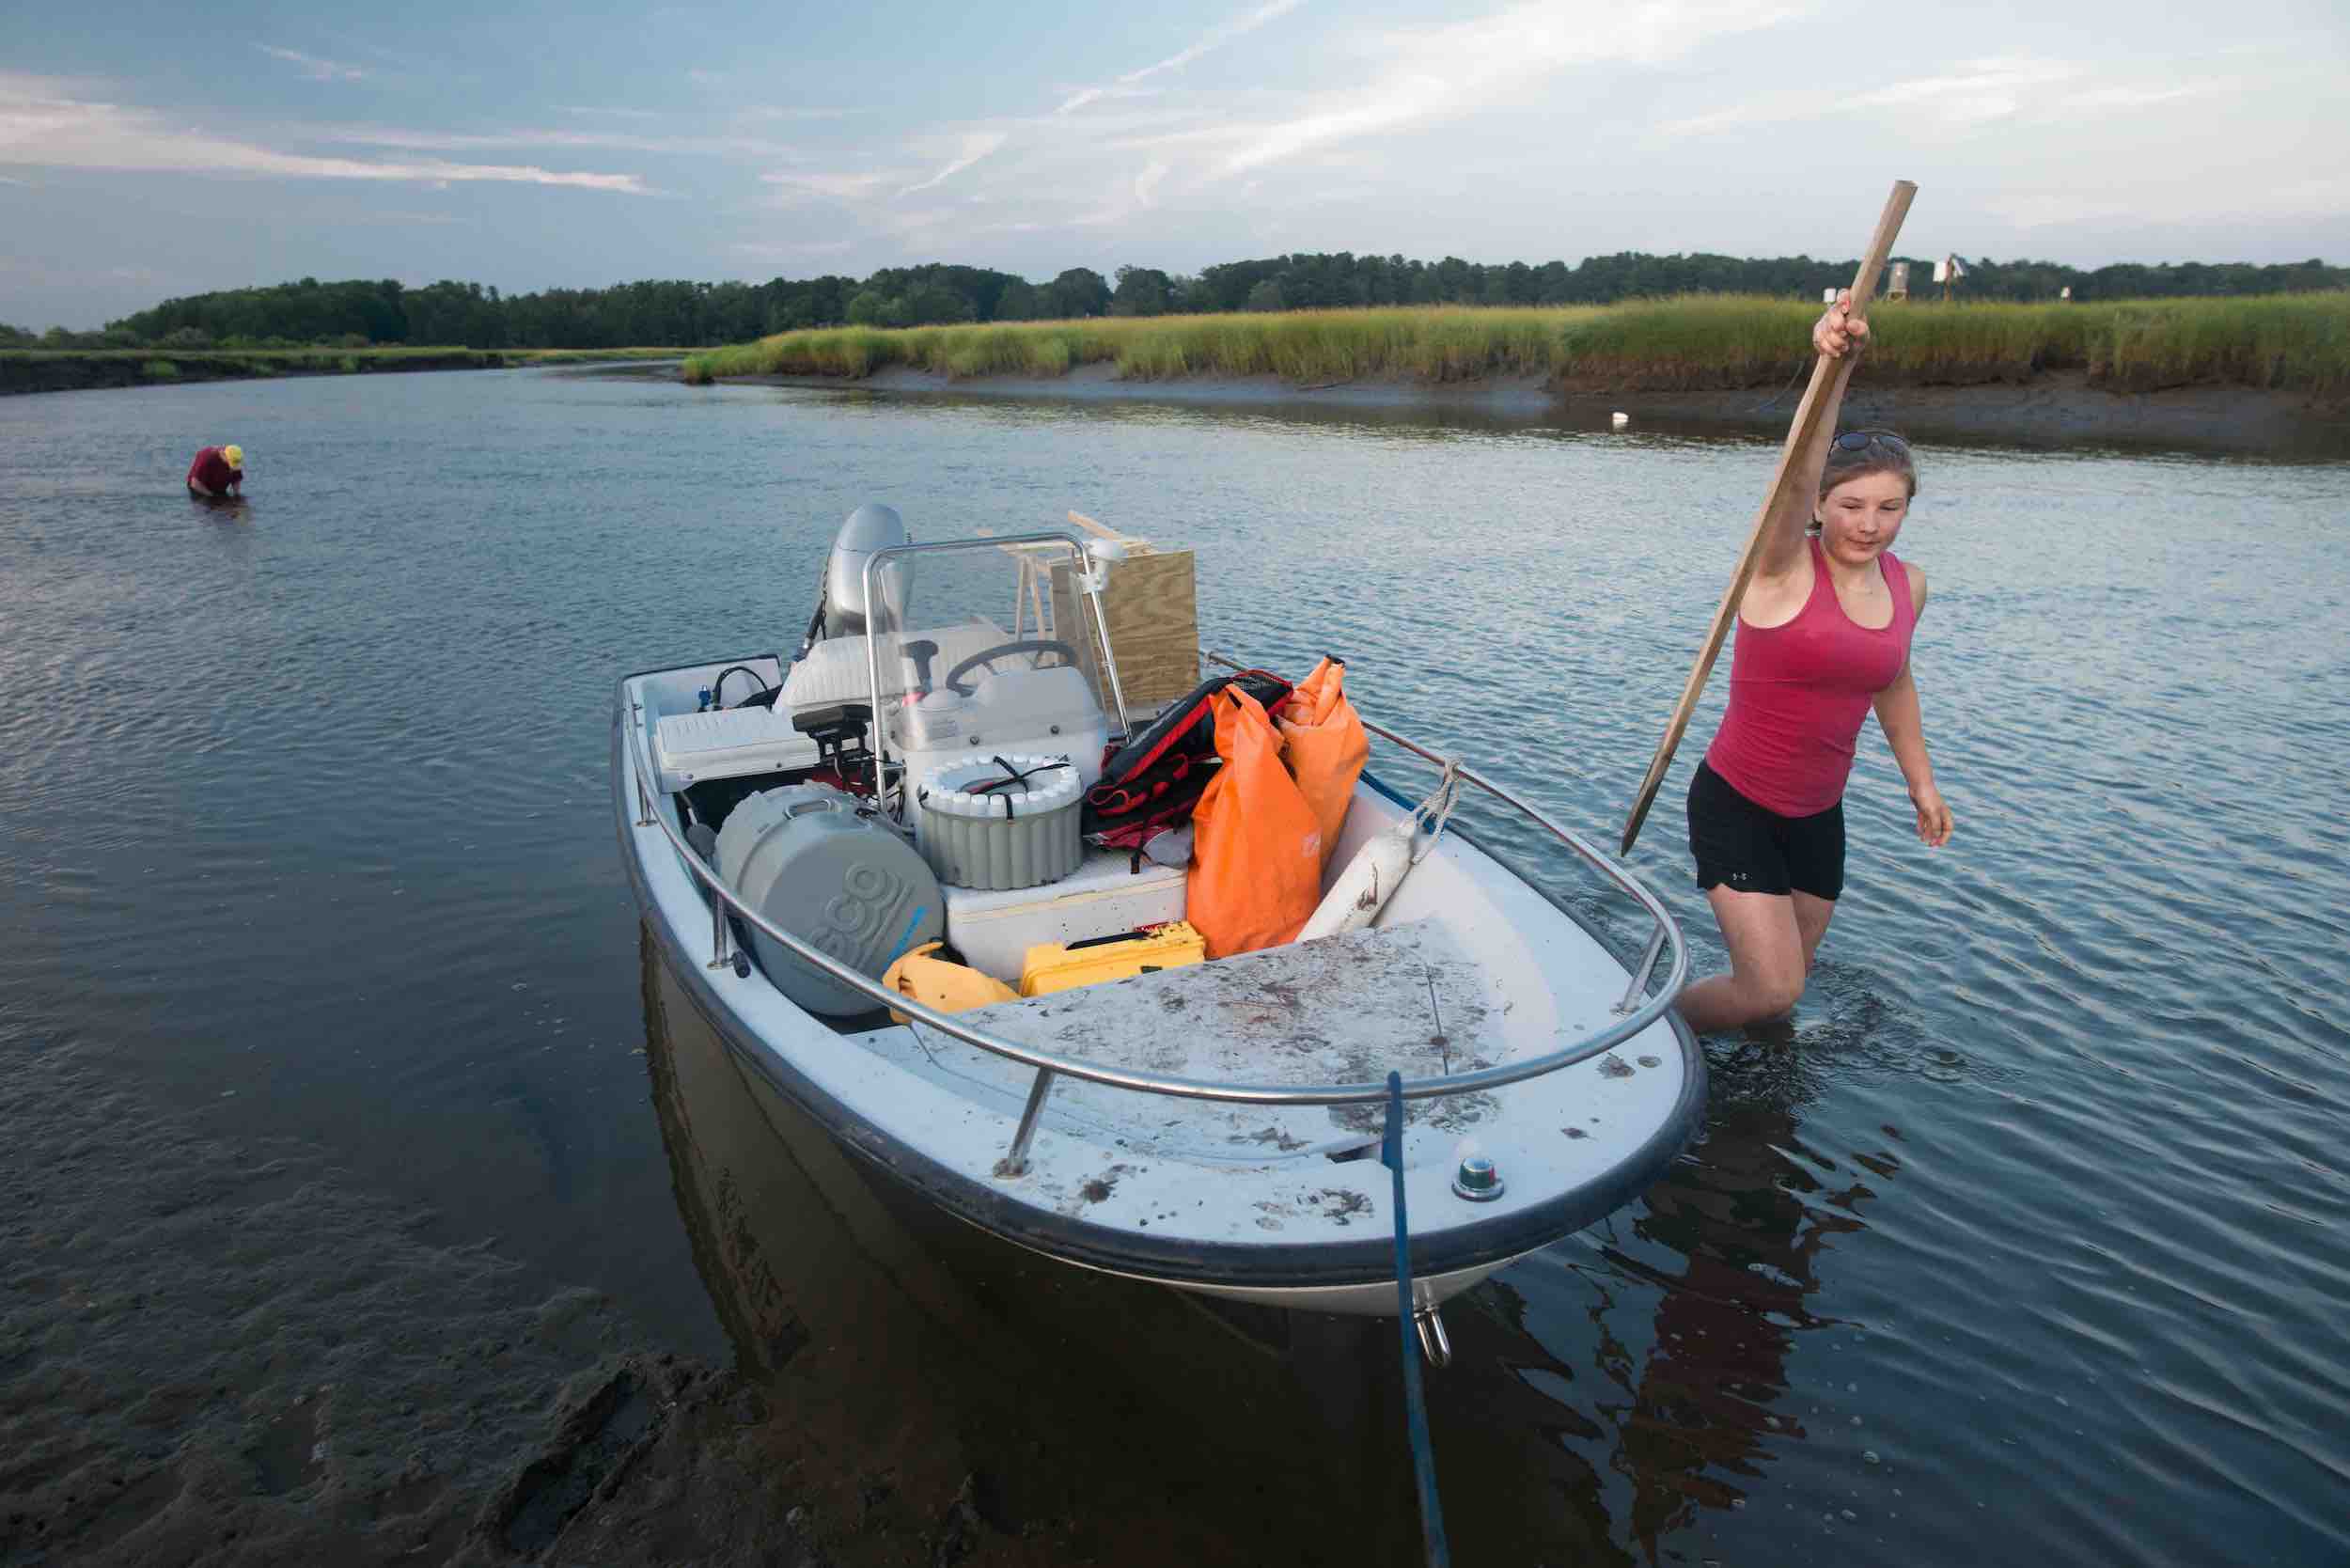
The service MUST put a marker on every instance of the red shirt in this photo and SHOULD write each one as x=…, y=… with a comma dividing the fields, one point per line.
x=213, y=472
x=1799, y=692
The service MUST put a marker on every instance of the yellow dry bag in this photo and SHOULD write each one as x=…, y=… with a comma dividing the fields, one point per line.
x=938, y=984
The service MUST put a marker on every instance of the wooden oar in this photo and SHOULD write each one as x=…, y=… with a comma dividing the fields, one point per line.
x=1825, y=392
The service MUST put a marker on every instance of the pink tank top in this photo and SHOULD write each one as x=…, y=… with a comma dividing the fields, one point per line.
x=1799, y=691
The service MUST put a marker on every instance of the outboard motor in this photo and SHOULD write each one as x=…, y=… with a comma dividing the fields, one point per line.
x=841, y=607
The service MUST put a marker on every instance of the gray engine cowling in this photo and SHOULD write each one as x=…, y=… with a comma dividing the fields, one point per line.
x=872, y=526
x=844, y=884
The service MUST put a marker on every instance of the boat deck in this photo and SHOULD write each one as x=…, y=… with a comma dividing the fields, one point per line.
x=1345, y=1008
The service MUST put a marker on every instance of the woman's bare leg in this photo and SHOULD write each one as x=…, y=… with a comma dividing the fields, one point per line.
x=1771, y=938
x=1812, y=914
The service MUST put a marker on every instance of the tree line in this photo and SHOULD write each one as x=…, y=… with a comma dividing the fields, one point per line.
x=683, y=314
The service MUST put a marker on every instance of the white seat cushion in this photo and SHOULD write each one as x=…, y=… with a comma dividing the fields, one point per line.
x=727, y=743
x=835, y=669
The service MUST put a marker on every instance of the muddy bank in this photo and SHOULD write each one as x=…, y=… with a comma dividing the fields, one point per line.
x=91, y=372
x=215, y=1352
x=2056, y=408
x=70, y=372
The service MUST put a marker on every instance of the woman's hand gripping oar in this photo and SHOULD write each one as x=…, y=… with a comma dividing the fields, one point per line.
x=1820, y=402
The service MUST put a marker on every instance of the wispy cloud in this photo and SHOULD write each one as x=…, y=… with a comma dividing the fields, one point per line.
x=786, y=251
x=312, y=66
x=840, y=186
x=1439, y=73
x=975, y=145
x=380, y=217
x=42, y=124
x=1968, y=93
x=613, y=141
x=1967, y=96
x=2159, y=198
x=1099, y=165
x=607, y=109
x=1147, y=182
x=781, y=112
x=1221, y=34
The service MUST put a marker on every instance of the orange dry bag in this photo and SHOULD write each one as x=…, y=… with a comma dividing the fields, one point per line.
x=1256, y=869
x=1325, y=745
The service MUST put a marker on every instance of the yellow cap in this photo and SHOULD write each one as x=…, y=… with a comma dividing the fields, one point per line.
x=235, y=456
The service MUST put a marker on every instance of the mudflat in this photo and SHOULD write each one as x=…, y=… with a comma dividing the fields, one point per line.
x=213, y=1350
x=2050, y=408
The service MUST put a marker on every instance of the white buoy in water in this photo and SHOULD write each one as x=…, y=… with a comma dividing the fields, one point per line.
x=1619, y=419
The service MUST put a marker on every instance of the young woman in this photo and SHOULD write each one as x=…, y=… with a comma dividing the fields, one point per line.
x=1823, y=635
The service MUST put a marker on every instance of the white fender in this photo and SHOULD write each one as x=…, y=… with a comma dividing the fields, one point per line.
x=1367, y=882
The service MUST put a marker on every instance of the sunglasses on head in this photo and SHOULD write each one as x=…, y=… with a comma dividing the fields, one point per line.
x=1860, y=441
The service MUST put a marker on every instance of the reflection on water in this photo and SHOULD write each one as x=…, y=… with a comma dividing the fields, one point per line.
x=226, y=508
x=1732, y=1238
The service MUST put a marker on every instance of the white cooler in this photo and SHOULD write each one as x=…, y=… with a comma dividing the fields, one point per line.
x=994, y=930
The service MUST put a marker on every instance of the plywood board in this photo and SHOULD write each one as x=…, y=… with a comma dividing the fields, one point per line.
x=1152, y=606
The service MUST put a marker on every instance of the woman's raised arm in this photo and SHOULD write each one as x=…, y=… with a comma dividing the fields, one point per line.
x=1836, y=334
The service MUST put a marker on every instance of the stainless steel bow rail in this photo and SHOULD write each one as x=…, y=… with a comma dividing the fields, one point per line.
x=1635, y=1012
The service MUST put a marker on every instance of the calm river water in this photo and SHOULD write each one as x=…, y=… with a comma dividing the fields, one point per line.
x=2032, y=1235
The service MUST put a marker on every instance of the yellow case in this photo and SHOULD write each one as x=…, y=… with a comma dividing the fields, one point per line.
x=1051, y=966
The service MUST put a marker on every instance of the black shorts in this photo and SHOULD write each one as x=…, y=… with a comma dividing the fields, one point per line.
x=1752, y=849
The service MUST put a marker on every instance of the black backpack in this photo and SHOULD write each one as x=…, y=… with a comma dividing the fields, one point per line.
x=1152, y=782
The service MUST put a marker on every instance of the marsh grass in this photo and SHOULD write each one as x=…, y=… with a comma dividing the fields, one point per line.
x=585, y=356
x=2299, y=342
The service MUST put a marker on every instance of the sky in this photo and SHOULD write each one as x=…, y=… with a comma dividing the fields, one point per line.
x=150, y=150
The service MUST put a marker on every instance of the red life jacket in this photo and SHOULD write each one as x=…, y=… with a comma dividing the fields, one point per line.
x=1152, y=782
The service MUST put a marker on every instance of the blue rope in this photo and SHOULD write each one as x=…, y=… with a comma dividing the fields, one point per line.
x=1415, y=1400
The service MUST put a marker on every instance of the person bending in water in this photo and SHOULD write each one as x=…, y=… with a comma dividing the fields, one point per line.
x=216, y=471
x=1824, y=634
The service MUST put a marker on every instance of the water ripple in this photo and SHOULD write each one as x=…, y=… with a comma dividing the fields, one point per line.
x=2037, y=1208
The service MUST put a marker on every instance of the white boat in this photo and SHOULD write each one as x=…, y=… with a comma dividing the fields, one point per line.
x=1214, y=1127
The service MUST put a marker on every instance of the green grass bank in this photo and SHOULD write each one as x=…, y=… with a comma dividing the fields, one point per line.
x=77, y=370
x=2287, y=342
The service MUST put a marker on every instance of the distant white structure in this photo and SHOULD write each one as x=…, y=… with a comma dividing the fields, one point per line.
x=2065, y=293
x=1898, y=288
x=1619, y=419
x=1949, y=270
x=1827, y=296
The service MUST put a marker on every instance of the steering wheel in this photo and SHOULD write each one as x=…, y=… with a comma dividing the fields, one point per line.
x=718, y=689
x=1039, y=646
